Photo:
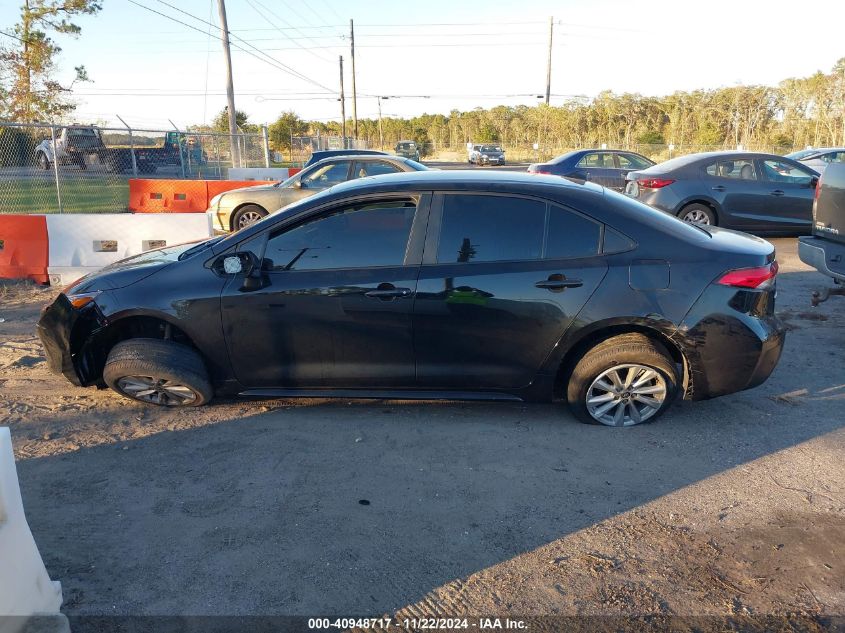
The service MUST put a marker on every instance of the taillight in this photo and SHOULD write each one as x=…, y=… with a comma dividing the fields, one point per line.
x=760, y=277
x=818, y=188
x=654, y=183
x=540, y=170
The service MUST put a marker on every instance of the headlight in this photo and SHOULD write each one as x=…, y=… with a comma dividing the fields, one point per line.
x=82, y=299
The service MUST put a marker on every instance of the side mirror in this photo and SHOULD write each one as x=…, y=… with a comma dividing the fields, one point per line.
x=298, y=184
x=245, y=263
x=814, y=182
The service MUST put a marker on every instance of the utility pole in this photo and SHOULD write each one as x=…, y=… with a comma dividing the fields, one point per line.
x=230, y=88
x=549, y=65
x=354, y=92
x=342, y=105
x=380, y=133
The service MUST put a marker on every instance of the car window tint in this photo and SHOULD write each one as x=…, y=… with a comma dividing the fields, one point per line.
x=363, y=236
x=615, y=242
x=739, y=169
x=571, y=235
x=374, y=168
x=327, y=175
x=632, y=161
x=596, y=159
x=486, y=228
x=781, y=171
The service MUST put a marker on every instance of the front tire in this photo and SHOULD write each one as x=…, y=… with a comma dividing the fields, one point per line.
x=246, y=215
x=623, y=381
x=698, y=214
x=155, y=371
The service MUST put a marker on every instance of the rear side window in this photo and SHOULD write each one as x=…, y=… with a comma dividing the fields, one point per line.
x=486, y=228
x=373, y=168
x=571, y=235
x=741, y=169
x=598, y=159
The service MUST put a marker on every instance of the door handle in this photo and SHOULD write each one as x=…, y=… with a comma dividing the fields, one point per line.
x=718, y=188
x=557, y=282
x=387, y=291
x=777, y=192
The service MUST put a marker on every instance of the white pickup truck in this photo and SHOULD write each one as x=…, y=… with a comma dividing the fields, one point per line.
x=83, y=146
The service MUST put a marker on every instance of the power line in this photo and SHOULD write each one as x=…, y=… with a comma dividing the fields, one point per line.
x=14, y=37
x=266, y=59
x=269, y=21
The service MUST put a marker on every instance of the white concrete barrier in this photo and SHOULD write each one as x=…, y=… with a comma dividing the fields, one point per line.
x=25, y=588
x=83, y=243
x=258, y=173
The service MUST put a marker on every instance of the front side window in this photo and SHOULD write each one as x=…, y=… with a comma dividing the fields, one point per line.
x=486, y=228
x=632, y=161
x=781, y=171
x=367, y=235
x=327, y=175
x=740, y=169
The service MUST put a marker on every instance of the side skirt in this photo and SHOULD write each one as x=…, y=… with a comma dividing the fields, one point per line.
x=385, y=394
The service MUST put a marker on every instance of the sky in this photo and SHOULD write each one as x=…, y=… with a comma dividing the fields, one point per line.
x=427, y=57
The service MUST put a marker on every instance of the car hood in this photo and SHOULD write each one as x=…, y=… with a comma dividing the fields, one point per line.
x=137, y=267
x=270, y=187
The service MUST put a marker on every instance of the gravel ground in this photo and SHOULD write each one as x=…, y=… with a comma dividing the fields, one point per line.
x=730, y=507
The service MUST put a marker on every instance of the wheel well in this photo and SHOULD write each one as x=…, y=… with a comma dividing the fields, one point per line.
x=577, y=352
x=94, y=349
x=238, y=208
x=706, y=203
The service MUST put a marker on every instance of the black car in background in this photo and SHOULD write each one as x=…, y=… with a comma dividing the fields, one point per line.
x=331, y=153
x=435, y=284
x=605, y=167
x=748, y=191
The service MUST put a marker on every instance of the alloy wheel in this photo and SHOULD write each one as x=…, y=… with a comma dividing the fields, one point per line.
x=625, y=395
x=247, y=218
x=696, y=216
x=156, y=390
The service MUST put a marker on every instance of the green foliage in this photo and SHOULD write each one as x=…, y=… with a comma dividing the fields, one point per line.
x=221, y=121
x=27, y=86
x=651, y=138
x=17, y=147
x=287, y=125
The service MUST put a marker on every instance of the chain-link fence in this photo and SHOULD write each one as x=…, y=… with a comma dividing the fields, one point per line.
x=85, y=169
x=301, y=147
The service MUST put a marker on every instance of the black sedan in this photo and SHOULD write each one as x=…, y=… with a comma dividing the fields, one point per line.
x=748, y=191
x=605, y=167
x=457, y=285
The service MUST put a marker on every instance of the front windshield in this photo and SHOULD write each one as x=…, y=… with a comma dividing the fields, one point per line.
x=491, y=148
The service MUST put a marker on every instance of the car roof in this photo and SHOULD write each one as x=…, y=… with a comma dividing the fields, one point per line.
x=456, y=179
x=580, y=152
x=364, y=158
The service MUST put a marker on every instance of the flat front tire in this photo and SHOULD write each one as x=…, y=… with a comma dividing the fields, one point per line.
x=623, y=381
x=160, y=372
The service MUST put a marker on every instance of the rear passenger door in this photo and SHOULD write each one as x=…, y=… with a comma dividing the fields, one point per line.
x=502, y=279
x=790, y=190
x=601, y=169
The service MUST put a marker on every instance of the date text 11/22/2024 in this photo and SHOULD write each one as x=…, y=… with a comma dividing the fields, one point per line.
x=418, y=624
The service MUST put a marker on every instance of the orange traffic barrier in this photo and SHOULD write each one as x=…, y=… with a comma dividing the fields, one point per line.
x=167, y=196
x=24, y=251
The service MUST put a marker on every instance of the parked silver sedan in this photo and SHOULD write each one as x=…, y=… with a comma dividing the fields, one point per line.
x=235, y=209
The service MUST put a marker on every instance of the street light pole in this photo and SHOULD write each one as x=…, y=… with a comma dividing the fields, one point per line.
x=230, y=88
x=380, y=132
x=342, y=105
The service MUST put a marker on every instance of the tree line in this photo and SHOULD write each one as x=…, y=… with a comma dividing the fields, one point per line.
x=796, y=113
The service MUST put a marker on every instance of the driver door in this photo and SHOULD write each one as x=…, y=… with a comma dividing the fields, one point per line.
x=333, y=309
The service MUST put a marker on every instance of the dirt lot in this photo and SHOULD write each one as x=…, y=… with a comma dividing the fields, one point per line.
x=734, y=506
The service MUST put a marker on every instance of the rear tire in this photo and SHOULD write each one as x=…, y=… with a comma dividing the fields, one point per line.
x=246, y=215
x=155, y=371
x=623, y=381
x=697, y=213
